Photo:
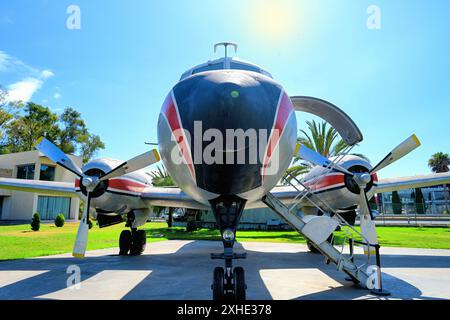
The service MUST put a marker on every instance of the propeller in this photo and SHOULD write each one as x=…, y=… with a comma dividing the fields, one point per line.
x=362, y=179
x=312, y=156
x=91, y=182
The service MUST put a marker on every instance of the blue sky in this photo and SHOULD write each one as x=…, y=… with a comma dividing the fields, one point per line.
x=117, y=69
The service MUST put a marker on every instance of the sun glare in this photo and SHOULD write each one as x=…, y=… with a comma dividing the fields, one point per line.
x=276, y=20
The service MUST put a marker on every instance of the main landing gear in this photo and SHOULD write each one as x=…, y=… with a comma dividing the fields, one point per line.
x=228, y=282
x=132, y=242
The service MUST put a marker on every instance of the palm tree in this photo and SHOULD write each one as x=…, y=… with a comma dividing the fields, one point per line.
x=323, y=139
x=162, y=178
x=439, y=163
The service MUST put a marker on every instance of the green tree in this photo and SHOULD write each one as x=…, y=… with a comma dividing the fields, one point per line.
x=89, y=145
x=73, y=127
x=439, y=163
x=60, y=220
x=36, y=222
x=24, y=130
x=162, y=178
x=419, y=201
x=21, y=128
x=396, y=203
x=5, y=115
x=322, y=138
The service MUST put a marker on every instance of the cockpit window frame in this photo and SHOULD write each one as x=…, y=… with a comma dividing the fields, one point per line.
x=227, y=64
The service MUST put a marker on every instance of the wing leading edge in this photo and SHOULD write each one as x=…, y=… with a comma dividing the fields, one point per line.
x=50, y=188
x=401, y=183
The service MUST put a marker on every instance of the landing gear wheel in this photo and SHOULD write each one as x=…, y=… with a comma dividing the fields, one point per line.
x=313, y=249
x=124, y=242
x=239, y=283
x=139, y=241
x=218, y=284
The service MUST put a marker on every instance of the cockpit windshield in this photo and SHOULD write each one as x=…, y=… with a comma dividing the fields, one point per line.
x=223, y=64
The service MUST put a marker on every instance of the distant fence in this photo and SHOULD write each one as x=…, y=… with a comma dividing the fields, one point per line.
x=413, y=208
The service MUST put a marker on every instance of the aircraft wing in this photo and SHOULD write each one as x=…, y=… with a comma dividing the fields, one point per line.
x=175, y=197
x=50, y=188
x=286, y=194
x=170, y=197
x=393, y=184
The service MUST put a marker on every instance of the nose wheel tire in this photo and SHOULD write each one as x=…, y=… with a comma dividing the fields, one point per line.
x=239, y=283
x=125, y=240
x=217, y=287
x=229, y=287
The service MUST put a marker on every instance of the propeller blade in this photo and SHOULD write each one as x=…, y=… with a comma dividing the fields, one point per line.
x=312, y=156
x=400, y=151
x=367, y=223
x=56, y=155
x=134, y=164
x=79, y=249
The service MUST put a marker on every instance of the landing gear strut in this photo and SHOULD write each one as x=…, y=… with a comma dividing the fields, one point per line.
x=132, y=242
x=228, y=283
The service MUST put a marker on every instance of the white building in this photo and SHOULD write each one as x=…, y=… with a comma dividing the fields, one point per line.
x=18, y=205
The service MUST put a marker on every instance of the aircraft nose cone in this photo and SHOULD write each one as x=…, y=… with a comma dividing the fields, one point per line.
x=214, y=106
x=227, y=100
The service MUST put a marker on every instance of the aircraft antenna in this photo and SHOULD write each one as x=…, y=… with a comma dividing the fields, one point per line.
x=226, y=45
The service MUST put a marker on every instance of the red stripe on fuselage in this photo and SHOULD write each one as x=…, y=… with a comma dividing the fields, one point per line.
x=122, y=184
x=171, y=112
x=127, y=185
x=331, y=180
x=325, y=181
x=284, y=110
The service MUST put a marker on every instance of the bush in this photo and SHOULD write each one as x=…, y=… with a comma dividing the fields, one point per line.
x=36, y=222
x=60, y=220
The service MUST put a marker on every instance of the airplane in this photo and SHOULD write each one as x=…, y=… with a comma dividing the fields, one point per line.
x=213, y=98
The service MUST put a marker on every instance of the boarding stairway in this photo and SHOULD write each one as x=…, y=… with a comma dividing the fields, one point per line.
x=319, y=229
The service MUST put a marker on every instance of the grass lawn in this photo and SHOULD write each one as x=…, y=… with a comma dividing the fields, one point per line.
x=19, y=241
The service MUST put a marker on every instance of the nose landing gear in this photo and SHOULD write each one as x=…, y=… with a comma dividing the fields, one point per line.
x=228, y=283
x=228, y=286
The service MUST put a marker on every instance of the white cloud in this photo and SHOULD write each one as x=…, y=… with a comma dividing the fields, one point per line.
x=45, y=74
x=57, y=95
x=33, y=78
x=10, y=63
x=24, y=90
x=4, y=58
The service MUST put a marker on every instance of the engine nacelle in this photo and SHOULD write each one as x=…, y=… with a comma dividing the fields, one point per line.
x=114, y=196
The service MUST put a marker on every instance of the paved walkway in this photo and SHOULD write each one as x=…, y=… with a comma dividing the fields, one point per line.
x=183, y=270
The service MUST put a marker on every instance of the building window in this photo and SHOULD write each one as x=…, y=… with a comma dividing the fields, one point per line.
x=47, y=173
x=25, y=172
x=50, y=207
